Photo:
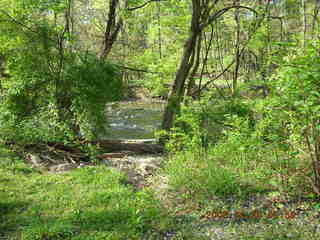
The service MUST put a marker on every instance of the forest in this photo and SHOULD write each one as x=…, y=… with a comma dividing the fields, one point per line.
x=159, y=119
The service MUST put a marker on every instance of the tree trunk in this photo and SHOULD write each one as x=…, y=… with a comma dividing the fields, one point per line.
x=315, y=16
x=237, y=49
x=177, y=91
x=201, y=19
x=192, y=83
x=136, y=146
x=112, y=29
x=187, y=61
x=304, y=23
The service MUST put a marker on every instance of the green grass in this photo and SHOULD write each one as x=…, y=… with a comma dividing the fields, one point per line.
x=96, y=203
x=212, y=173
x=88, y=203
x=223, y=185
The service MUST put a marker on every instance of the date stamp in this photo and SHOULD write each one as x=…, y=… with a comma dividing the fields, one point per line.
x=253, y=215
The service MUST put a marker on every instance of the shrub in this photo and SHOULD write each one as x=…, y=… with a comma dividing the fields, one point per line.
x=294, y=108
x=53, y=92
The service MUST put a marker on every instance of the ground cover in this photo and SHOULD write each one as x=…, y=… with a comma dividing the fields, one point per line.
x=98, y=202
x=86, y=203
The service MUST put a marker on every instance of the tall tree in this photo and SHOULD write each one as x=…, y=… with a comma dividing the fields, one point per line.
x=113, y=26
x=186, y=64
x=203, y=14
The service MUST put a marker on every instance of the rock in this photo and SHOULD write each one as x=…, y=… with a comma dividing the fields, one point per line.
x=63, y=167
x=137, y=167
x=112, y=155
x=35, y=160
x=107, y=162
x=145, y=168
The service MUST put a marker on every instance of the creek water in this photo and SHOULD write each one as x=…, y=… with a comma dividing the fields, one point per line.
x=133, y=120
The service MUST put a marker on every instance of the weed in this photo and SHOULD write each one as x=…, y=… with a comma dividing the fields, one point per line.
x=89, y=203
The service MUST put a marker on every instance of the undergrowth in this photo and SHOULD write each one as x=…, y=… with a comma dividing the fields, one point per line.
x=89, y=203
x=225, y=148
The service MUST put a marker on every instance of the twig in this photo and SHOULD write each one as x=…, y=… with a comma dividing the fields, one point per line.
x=143, y=5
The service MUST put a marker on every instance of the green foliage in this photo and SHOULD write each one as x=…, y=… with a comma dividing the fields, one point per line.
x=200, y=177
x=294, y=107
x=164, y=70
x=54, y=92
x=225, y=146
x=216, y=143
x=188, y=132
x=89, y=203
x=94, y=83
x=204, y=123
x=238, y=159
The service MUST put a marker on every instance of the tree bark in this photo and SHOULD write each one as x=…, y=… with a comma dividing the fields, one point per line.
x=304, y=23
x=315, y=15
x=133, y=146
x=112, y=29
x=192, y=83
x=187, y=61
x=237, y=49
x=201, y=19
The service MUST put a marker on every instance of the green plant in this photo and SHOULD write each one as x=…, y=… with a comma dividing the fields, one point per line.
x=200, y=176
x=295, y=106
x=88, y=203
x=216, y=143
x=53, y=92
x=94, y=83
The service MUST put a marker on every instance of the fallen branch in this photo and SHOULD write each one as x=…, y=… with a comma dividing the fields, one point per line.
x=136, y=146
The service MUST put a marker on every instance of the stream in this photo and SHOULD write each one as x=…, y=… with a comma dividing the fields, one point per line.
x=133, y=120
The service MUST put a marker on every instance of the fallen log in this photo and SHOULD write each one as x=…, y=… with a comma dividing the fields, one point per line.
x=132, y=145
x=136, y=146
x=60, y=157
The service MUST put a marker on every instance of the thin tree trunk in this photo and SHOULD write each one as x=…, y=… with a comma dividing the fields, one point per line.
x=176, y=94
x=315, y=15
x=191, y=85
x=187, y=61
x=112, y=29
x=237, y=49
x=159, y=30
x=304, y=22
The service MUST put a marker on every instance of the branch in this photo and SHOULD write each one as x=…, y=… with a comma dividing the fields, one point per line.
x=136, y=69
x=12, y=19
x=221, y=12
x=242, y=50
x=24, y=26
x=218, y=76
x=143, y=5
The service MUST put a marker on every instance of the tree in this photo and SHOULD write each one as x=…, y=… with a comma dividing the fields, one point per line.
x=112, y=29
x=55, y=91
x=203, y=14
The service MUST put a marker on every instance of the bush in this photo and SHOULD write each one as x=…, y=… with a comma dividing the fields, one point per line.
x=206, y=122
x=296, y=105
x=94, y=83
x=54, y=92
x=217, y=146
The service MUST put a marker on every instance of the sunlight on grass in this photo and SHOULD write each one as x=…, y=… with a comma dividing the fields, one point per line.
x=89, y=203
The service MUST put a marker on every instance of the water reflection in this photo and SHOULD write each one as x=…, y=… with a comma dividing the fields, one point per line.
x=133, y=120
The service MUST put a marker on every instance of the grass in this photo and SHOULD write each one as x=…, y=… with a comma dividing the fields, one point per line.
x=208, y=197
x=88, y=203
x=247, y=193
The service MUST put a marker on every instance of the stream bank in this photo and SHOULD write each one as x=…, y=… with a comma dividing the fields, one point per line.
x=259, y=216
x=129, y=146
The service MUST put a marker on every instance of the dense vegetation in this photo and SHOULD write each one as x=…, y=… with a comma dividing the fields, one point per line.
x=241, y=81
